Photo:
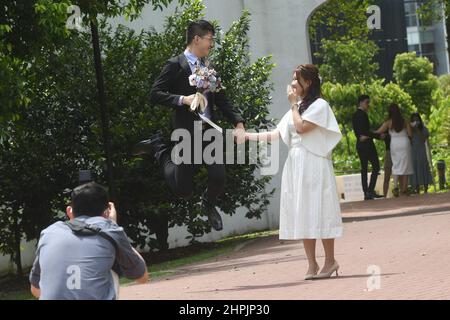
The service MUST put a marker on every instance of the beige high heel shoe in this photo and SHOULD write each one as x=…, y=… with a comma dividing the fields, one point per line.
x=310, y=276
x=328, y=274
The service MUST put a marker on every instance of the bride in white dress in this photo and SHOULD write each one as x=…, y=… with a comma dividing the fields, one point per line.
x=309, y=201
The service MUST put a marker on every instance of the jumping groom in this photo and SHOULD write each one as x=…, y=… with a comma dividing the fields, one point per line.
x=173, y=89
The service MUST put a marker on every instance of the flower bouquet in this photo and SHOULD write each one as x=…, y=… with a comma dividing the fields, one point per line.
x=205, y=80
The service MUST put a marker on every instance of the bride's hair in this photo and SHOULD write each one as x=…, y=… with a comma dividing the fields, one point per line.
x=309, y=72
x=398, y=122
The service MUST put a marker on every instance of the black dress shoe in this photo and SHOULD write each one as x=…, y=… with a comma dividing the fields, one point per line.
x=213, y=215
x=375, y=195
x=151, y=146
x=368, y=196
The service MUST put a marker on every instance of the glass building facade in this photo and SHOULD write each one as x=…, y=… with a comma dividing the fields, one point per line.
x=402, y=31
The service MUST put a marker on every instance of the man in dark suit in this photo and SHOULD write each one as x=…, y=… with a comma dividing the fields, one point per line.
x=365, y=147
x=172, y=89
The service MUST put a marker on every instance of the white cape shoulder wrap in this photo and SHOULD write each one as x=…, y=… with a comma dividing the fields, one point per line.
x=321, y=140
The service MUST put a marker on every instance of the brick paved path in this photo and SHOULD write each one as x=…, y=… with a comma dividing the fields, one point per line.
x=412, y=253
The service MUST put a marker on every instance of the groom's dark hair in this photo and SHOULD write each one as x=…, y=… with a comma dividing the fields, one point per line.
x=362, y=98
x=199, y=28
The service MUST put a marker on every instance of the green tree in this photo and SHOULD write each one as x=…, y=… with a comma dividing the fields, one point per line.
x=28, y=27
x=348, y=62
x=415, y=76
x=341, y=20
x=346, y=55
x=91, y=10
x=439, y=124
x=444, y=84
x=23, y=36
x=343, y=99
x=60, y=133
x=43, y=149
x=29, y=30
x=438, y=121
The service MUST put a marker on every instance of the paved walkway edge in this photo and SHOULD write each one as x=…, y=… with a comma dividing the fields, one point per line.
x=396, y=214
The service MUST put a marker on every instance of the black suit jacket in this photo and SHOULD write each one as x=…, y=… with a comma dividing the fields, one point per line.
x=173, y=82
x=361, y=127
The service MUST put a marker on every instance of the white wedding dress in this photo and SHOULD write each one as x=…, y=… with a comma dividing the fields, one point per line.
x=309, y=202
x=401, y=153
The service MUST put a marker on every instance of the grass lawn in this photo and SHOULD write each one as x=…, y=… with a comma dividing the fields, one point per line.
x=164, y=264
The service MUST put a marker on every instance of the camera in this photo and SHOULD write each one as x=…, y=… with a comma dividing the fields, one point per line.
x=84, y=176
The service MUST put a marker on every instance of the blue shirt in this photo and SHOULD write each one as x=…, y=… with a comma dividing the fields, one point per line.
x=193, y=60
x=72, y=267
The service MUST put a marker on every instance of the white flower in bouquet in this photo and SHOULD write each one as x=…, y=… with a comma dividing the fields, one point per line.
x=205, y=80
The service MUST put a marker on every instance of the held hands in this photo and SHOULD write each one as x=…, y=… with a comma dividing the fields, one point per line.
x=363, y=138
x=382, y=136
x=238, y=132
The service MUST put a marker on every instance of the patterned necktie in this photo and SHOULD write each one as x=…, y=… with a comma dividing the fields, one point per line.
x=207, y=113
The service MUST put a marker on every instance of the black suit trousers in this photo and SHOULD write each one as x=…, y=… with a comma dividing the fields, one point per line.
x=368, y=153
x=180, y=177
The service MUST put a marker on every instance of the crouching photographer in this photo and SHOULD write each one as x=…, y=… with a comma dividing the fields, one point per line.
x=80, y=259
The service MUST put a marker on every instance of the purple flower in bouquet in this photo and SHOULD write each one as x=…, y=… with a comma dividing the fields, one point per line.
x=205, y=79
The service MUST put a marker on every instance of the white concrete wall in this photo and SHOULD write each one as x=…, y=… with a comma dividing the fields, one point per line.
x=28, y=254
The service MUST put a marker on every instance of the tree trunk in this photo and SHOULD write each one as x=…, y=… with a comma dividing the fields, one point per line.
x=160, y=224
x=17, y=241
x=103, y=108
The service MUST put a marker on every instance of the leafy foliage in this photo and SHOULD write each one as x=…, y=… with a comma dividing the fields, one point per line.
x=348, y=62
x=59, y=133
x=343, y=99
x=342, y=20
x=415, y=75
